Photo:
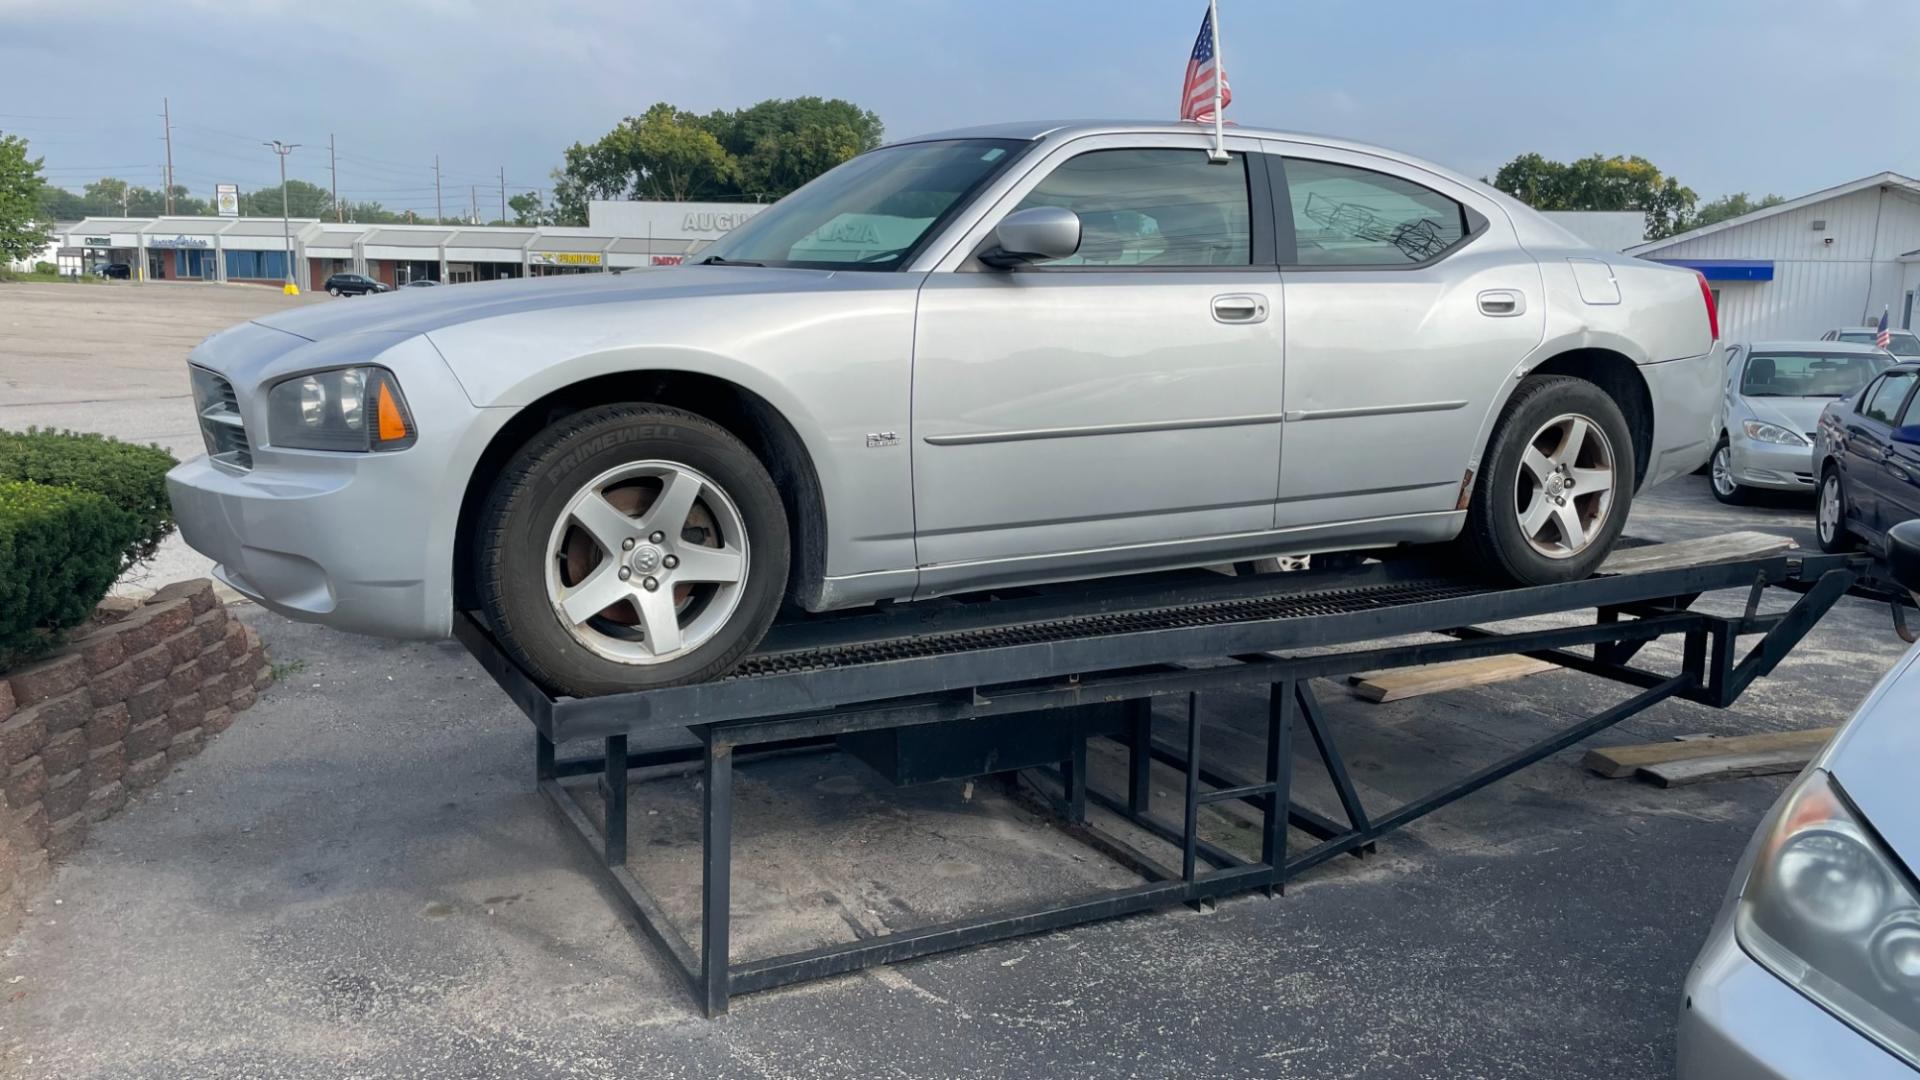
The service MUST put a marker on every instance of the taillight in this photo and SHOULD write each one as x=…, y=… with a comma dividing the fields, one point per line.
x=1706, y=297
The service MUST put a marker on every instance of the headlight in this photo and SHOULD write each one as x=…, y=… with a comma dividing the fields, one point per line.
x=1828, y=910
x=1761, y=431
x=355, y=408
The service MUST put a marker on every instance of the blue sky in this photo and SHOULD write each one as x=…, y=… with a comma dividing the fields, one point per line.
x=1758, y=95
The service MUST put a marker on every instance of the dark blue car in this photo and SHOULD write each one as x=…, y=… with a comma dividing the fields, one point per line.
x=1868, y=461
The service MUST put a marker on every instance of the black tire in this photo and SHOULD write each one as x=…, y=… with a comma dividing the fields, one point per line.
x=333, y=290
x=1493, y=540
x=1732, y=494
x=1840, y=538
x=518, y=520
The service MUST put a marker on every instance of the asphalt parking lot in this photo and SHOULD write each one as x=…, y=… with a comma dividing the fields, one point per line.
x=358, y=879
x=112, y=357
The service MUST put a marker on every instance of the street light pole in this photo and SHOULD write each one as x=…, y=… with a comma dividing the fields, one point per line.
x=286, y=228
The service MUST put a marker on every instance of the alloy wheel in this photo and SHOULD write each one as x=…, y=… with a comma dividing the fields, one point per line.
x=1723, y=482
x=1828, y=517
x=647, y=562
x=1565, y=486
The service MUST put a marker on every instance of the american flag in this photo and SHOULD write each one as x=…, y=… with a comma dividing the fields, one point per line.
x=1196, y=98
x=1885, y=337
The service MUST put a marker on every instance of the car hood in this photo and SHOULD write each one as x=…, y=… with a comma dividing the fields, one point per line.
x=1873, y=759
x=418, y=311
x=1798, y=414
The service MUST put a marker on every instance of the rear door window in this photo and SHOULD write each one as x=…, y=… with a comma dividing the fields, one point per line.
x=1348, y=216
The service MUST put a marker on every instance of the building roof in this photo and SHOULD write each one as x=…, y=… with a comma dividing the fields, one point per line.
x=490, y=236
x=549, y=241
x=407, y=236
x=260, y=226
x=1886, y=179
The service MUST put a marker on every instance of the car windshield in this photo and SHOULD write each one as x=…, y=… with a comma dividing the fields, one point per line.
x=1809, y=374
x=1899, y=343
x=871, y=213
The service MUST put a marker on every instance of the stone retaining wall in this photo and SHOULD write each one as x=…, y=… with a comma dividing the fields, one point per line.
x=127, y=698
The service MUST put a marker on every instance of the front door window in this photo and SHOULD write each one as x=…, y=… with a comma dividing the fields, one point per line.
x=1167, y=208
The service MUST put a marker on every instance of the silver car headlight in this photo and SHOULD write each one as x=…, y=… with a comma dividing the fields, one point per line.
x=350, y=408
x=1761, y=431
x=1830, y=912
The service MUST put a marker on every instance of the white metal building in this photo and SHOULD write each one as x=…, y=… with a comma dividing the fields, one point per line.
x=1837, y=257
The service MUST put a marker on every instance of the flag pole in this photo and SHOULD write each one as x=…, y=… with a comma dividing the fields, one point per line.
x=1219, y=155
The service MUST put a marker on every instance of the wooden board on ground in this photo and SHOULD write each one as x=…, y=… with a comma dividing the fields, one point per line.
x=1617, y=761
x=1397, y=683
x=1700, y=551
x=1728, y=766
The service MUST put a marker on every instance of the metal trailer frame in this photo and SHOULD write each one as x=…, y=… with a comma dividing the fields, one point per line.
x=1050, y=654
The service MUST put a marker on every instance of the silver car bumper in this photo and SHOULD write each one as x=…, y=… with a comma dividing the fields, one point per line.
x=1739, y=1021
x=1769, y=465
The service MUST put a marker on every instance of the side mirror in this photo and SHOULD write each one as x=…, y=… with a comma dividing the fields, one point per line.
x=1909, y=434
x=1038, y=232
x=1903, y=555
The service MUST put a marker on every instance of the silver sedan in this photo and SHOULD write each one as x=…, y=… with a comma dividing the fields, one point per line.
x=1003, y=356
x=1775, y=391
x=1812, y=970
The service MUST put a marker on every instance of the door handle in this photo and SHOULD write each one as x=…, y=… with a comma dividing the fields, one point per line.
x=1501, y=303
x=1240, y=308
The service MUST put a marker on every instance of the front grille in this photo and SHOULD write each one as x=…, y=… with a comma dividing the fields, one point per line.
x=220, y=425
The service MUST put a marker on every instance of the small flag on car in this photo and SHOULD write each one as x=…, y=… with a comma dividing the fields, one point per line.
x=1203, y=68
x=1885, y=337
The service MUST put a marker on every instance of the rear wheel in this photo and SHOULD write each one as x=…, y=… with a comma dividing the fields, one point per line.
x=631, y=546
x=1556, y=486
x=1830, y=518
x=1720, y=474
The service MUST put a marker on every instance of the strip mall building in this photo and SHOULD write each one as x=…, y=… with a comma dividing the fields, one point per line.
x=619, y=236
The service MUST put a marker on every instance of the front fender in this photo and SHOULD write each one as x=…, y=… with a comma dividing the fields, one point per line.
x=837, y=367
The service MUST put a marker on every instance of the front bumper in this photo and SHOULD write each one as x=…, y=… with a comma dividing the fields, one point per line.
x=357, y=541
x=1769, y=465
x=1739, y=1021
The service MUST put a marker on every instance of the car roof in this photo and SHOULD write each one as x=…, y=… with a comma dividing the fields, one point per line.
x=1027, y=130
x=1835, y=347
x=1869, y=330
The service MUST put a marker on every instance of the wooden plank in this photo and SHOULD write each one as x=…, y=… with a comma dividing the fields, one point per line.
x=1700, y=551
x=1728, y=767
x=1397, y=683
x=1617, y=761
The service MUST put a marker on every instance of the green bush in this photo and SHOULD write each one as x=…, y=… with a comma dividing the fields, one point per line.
x=45, y=268
x=132, y=478
x=60, y=549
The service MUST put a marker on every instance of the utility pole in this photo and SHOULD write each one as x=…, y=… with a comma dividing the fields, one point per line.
x=503, y=194
x=333, y=167
x=439, y=211
x=286, y=229
x=166, y=118
x=473, y=204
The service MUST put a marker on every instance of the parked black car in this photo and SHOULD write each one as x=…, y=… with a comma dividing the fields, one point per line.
x=116, y=271
x=1868, y=461
x=344, y=284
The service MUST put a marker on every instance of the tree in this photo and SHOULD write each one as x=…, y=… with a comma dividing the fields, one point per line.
x=1730, y=206
x=1597, y=182
x=528, y=210
x=762, y=152
x=303, y=200
x=22, y=229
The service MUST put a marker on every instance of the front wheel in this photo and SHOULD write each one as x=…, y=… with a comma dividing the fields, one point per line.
x=1720, y=473
x=1830, y=519
x=333, y=290
x=631, y=546
x=1556, y=485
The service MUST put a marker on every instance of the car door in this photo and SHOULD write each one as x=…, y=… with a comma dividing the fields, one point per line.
x=1900, y=498
x=1114, y=409
x=1409, y=306
x=1867, y=460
